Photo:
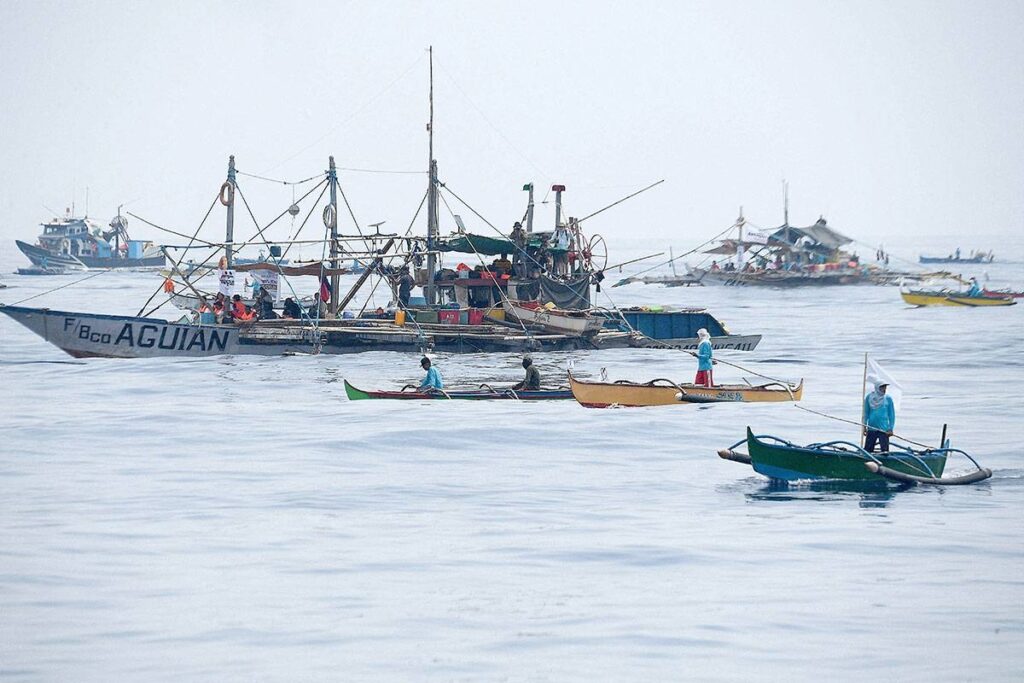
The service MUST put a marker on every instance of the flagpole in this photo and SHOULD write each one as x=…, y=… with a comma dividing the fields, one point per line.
x=863, y=391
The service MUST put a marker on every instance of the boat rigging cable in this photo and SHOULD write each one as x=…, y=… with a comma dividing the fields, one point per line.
x=351, y=116
x=479, y=111
x=50, y=291
x=177, y=264
x=676, y=258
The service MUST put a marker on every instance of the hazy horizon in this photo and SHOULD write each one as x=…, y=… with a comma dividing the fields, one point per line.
x=900, y=123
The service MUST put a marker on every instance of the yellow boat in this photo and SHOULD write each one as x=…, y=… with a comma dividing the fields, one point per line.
x=664, y=392
x=945, y=297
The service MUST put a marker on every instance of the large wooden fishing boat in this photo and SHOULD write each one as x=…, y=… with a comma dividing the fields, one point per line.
x=484, y=393
x=779, y=459
x=946, y=297
x=664, y=392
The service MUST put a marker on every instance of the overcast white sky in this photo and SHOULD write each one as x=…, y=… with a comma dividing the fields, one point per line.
x=902, y=122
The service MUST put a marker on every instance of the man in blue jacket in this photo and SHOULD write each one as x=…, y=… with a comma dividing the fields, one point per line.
x=432, y=381
x=879, y=417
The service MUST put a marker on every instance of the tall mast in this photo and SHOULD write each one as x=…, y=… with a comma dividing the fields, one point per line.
x=785, y=203
x=332, y=175
x=529, y=209
x=229, y=202
x=431, y=293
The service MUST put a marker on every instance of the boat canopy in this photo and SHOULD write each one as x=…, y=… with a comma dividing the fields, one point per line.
x=467, y=243
x=819, y=233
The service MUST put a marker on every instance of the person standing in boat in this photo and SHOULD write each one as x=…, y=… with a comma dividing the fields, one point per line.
x=704, y=359
x=879, y=418
x=405, y=285
x=432, y=381
x=532, y=380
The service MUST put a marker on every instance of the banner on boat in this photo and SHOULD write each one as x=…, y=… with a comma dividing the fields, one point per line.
x=226, y=282
x=269, y=280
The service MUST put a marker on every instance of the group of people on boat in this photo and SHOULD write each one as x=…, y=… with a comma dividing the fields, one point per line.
x=234, y=310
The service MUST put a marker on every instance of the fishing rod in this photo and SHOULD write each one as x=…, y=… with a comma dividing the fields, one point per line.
x=626, y=263
x=864, y=426
x=621, y=200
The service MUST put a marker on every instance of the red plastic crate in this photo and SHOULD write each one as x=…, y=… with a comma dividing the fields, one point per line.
x=448, y=317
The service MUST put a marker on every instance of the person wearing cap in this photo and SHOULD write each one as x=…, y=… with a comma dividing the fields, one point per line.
x=532, y=380
x=704, y=359
x=975, y=289
x=879, y=418
x=432, y=381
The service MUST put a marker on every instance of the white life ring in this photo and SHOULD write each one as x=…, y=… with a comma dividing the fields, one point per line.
x=330, y=217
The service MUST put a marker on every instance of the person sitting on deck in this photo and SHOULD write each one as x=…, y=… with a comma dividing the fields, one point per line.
x=237, y=306
x=246, y=316
x=704, y=360
x=432, y=381
x=532, y=380
x=714, y=267
x=291, y=309
x=975, y=289
x=501, y=266
x=265, y=305
x=879, y=418
x=318, y=309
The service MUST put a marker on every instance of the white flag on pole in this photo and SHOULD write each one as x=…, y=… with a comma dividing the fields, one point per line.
x=876, y=373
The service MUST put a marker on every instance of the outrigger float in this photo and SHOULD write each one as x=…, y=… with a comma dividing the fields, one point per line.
x=782, y=460
x=665, y=392
x=484, y=393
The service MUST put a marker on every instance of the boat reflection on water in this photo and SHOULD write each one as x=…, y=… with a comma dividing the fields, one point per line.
x=871, y=494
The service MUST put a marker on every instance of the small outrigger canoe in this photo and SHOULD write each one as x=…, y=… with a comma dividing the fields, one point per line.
x=781, y=460
x=945, y=297
x=484, y=393
x=664, y=392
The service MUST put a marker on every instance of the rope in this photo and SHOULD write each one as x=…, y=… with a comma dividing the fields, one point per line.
x=350, y=116
x=489, y=123
x=50, y=291
x=375, y=170
x=282, y=182
x=676, y=258
x=278, y=261
x=177, y=264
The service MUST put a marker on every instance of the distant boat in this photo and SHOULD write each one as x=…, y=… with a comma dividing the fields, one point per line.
x=975, y=257
x=78, y=243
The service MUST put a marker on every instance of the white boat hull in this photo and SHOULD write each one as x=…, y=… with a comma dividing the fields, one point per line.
x=555, y=321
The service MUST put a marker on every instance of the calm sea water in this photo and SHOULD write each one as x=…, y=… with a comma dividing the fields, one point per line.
x=238, y=518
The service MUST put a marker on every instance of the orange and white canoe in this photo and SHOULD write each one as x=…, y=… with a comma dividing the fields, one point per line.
x=664, y=392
